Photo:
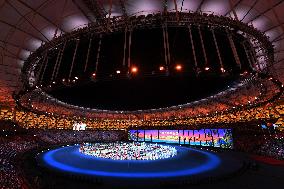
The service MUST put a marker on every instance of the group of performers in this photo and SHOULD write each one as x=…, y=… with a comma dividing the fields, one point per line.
x=128, y=151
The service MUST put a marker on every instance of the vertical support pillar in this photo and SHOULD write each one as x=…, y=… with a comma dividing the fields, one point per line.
x=233, y=47
x=42, y=75
x=193, y=49
x=109, y=12
x=60, y=59
x=176, y=8
x=165, y=46
x=38, y=77
x=124, y=48
x=55, y=65
x=73, y=60
x=98, y=53
x=203, y=47
x=255, y=60
x=247, y=55
x=252, y=54
x=88, y=53
x=129, y=49
x=168, y=45
x=218, y=51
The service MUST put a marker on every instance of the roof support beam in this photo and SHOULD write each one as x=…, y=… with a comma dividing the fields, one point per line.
x=233, y=7
x=255, y=2
x=200, y=6
x=273, y=27
x=97, y=10
x=20, y=29
x=267, y=10
x=14, y=45
x=82, y=11
x=23, y=16
x=122, y=5
x=181, y=7
x=11, y=56
x=279, y=61
x=279, y=51
x=11, y=53
x=278, y=19
x=165, y=6
x=234, y=12
x=124, y=13
x=36, y=12
x=109, y=14
x=278, y=38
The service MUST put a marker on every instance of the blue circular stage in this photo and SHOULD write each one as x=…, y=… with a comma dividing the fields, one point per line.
x=187, y=162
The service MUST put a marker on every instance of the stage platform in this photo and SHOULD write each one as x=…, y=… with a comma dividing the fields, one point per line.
x=189, y=163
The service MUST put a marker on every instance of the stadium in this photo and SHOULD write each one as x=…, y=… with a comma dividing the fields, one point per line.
x=141, y=94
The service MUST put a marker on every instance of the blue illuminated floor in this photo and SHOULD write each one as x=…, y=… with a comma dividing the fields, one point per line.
x=188, y=162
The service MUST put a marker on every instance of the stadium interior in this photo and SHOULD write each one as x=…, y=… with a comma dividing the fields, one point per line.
x=141, y=94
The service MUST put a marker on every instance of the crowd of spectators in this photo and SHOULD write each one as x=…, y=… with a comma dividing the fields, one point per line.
x=273, y=148
x=13, y=145
x=67, y=136
x=250, y=139
x=10, y=148
x=266, y=142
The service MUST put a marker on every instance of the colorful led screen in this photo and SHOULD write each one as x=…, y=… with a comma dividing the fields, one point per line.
x=203, y=137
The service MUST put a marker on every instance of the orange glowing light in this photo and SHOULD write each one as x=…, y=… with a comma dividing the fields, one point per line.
x=134, y=69
x=161, y=68
x=178, y=67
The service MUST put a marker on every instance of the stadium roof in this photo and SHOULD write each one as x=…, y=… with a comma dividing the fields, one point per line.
x=26, y=24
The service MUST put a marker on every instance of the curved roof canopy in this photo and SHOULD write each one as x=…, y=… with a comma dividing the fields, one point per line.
x=26, y=24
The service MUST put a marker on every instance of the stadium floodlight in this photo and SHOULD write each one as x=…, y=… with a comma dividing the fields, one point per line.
x=134, y=69
x=161, y=68
x=178, y=67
